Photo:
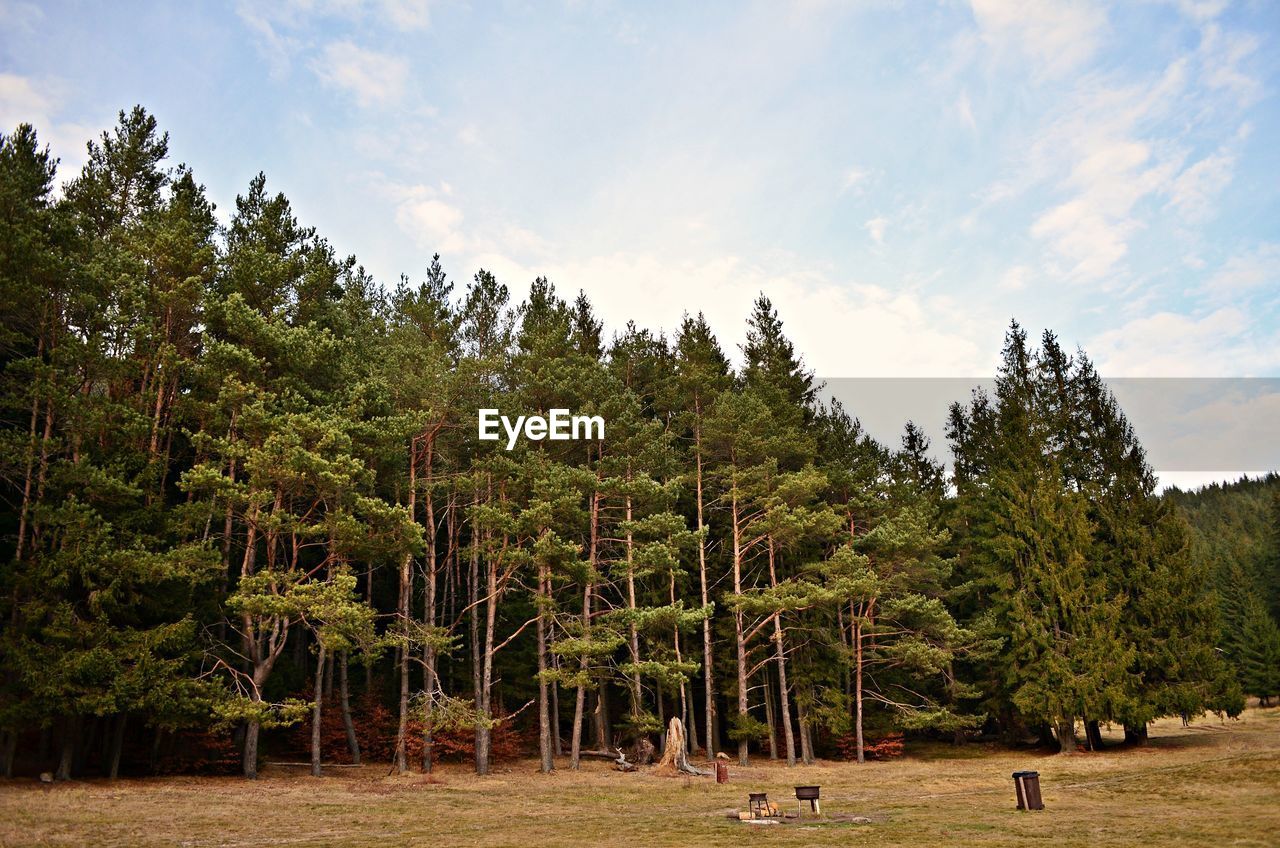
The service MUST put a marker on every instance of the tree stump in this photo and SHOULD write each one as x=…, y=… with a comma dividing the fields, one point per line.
x=675, y=757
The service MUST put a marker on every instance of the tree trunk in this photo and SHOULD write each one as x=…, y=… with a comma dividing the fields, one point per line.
x=344, y=698
x=10, y=751
x=601, y=715
x=575, y=740
x=1066, y=736
x=153, y=762
x=557, y=742
x=784, y=696
x=85, y=745
x=691, y=738
x=806, y=733
x=957, y=735
x=737, y=625
x=117, y=746
x=25, y=510
x=707, y=664
x=545, y=743
x=634, y=632
x=42, y=467
x=662, y=716
x=473, y=601
x=483, y=732
x=429, y=684
x=316, y=709
x=1135, y=734
x=403, y=608
x=857, y=688
x=770, y=714
x=251, y=749
x=70, y=732
x=580, y=701
x=1093, y=735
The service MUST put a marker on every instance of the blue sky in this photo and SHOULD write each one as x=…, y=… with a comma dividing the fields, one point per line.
x=901, y=177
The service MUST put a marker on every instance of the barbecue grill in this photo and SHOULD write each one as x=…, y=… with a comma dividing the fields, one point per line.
x=810, y=794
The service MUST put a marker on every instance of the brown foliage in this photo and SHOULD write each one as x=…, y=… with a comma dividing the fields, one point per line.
x=886, y=748
x=198, y=752
x=376, y=725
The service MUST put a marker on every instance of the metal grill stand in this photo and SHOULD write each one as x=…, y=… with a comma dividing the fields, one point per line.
x=810, y=794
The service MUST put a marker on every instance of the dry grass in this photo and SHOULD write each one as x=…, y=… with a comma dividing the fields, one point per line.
x=1211, y=784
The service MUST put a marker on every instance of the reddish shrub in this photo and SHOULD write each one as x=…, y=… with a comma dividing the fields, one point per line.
x=886, y=748
x=199, y=752
x=376, y=726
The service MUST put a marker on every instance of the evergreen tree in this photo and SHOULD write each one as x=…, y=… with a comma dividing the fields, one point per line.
x=232, y=461
x=702, y=373
x=1259, y=652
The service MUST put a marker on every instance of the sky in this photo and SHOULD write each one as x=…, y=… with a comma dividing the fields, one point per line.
x=901, y=178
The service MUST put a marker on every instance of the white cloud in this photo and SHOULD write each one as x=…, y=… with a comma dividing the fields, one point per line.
x=1221, y=343
x=433, y=223
x=854, y=179
x=1221, y=54
x=843, y=328
x=1196, y=189
x=1015, y=278
x=1251, y=271
x=1056, y=36
x=20, y=101
x=23, y=100
x=1112, y=144
x=282, y=29
x=372, y=78
x=875, y=228
x=17, y=16
x=1104, y=152
x=1202, y=10
x=1086, y=236
x=965, y=110
x=408, y=14
x=268, y=23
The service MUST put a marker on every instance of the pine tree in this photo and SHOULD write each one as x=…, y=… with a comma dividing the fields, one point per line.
x=772, y=364
x=702, y=373
x=1260, y=652
x=105, y=597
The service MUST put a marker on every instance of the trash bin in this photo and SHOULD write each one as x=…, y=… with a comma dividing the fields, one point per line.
x=722, y=772
x=1027, y=786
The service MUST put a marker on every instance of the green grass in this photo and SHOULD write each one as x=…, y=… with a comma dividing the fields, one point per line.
x=1213, y=783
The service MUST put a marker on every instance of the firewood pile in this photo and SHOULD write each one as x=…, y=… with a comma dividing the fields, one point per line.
x=768, y=811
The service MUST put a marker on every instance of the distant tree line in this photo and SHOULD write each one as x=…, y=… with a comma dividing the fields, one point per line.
x=243, y=489
x=1236, y=532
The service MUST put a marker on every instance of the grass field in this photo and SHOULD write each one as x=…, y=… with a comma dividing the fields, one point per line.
x=1213, y=783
